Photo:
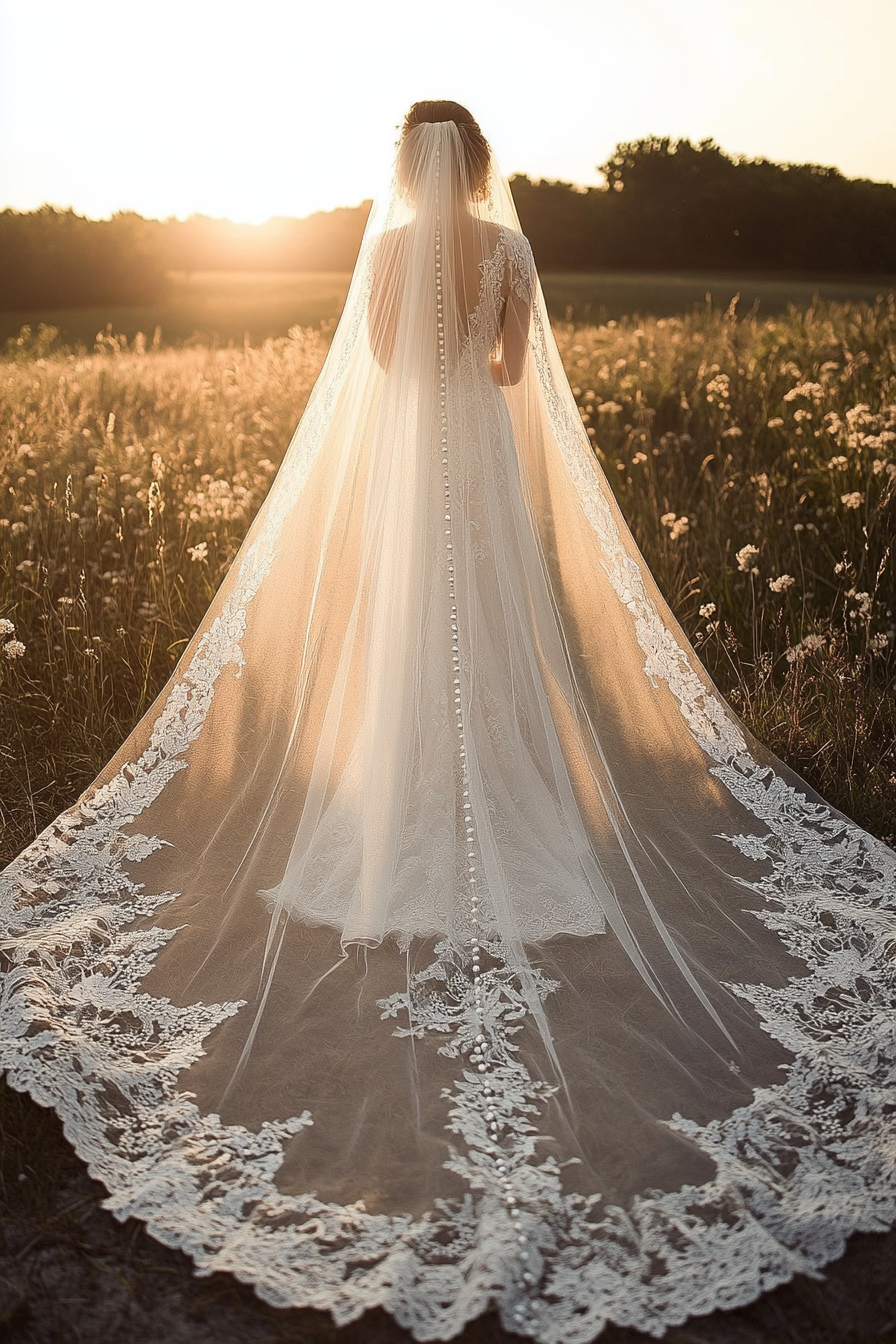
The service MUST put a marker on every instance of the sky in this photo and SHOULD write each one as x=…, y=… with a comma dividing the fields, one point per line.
x=254, y=108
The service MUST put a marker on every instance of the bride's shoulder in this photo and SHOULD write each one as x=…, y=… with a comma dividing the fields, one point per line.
x=514, y=240
x=391, y=241
x=502, y=233
x=513, y=234
x=516, y=249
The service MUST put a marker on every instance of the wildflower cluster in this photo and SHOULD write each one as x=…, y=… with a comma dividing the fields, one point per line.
x=755, y=461
x=677, y=526
x=12, y=647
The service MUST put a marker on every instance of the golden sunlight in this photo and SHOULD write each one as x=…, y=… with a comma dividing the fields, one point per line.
x=217, y=107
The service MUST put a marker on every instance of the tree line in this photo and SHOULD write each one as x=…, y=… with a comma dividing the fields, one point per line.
x=665, y=205
x=58, y=259
x=672, y=205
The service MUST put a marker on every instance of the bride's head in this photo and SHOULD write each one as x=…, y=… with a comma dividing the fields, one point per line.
x=475, y=154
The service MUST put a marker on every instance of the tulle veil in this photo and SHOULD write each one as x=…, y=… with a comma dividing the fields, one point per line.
x=440, y=938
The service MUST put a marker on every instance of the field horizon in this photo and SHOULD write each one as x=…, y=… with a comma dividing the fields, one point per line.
x=221, y=306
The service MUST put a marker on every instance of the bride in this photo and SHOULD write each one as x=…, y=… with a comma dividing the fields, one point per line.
x=440, y=939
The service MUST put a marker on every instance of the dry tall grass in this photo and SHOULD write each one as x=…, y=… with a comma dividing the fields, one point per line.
x=754, y=460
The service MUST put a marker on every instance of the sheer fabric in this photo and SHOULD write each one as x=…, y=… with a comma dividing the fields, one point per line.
x=440, y=939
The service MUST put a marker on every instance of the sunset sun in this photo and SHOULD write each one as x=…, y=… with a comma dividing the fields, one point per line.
x=249, y=111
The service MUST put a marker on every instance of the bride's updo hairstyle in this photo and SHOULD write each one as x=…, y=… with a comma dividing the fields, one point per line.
x=476, y=151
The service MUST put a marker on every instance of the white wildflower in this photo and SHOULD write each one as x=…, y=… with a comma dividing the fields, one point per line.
x=13, y=648
x=676, y=526
x=719, y=387
x=6, y=627
x=864, y=602
x=733, y=432
x=609, y=408
x=639, y=457
x=199, y=552
x=781, y=583
x=745, y=557
x=853, y=500
x=708, y=609
x=836, y=462
x=18, y=528
x=775, y=423
x=811, y=391
x=879, y=642
x=218, y=499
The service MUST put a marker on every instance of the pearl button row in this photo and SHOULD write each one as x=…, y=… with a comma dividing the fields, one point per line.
x=469, y=829
x=478, y=1054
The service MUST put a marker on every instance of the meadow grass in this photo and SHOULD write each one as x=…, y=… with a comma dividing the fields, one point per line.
x=755, y=460
x=778, y=436
x=130, y=475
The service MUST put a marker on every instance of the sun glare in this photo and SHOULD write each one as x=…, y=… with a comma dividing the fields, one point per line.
x=217, y=107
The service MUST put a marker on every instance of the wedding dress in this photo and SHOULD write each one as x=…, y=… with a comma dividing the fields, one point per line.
x=440, y=939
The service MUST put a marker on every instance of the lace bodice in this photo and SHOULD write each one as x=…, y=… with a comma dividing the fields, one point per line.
x=509, y=267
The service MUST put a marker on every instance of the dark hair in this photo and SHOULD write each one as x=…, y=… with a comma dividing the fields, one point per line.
x=477, y=154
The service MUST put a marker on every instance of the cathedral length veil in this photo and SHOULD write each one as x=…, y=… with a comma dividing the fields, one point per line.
x=440, y=939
